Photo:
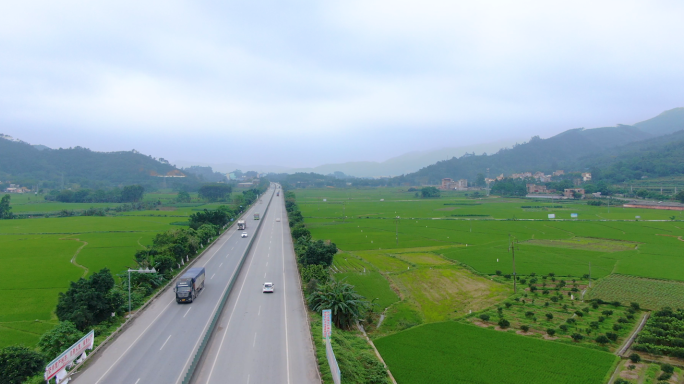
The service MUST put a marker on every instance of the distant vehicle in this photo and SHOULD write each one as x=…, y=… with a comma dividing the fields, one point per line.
x=278, y=219
x=244, y=234
x=268, y=288
x=189, y=285
x=256, y=216
x=278, y=194
x=242, y=225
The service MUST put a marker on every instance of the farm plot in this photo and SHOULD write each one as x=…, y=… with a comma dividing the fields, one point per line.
x=37, y=263
x=649, y=293
x=459, y=353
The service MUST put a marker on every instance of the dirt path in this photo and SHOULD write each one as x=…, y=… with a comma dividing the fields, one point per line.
x=73, y=259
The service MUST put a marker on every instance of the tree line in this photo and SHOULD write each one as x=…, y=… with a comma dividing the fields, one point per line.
x=127, y=194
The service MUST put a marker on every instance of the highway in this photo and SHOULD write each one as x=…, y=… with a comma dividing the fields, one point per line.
x=159, y=344
x=263, y=337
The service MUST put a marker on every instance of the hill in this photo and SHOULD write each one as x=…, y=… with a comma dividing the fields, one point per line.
x=24, y=164
x=575, y=149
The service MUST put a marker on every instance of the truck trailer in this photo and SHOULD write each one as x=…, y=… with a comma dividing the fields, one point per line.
x=241, y=225
x=256, y=216
x=189, y=285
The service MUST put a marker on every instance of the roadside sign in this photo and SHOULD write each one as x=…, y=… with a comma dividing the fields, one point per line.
x=327, y=326
x=573, y=215
x=69, y=355
x=552, y=215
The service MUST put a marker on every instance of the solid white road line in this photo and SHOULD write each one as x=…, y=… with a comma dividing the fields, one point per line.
x=225, y=332
x=287, y=346
x=133, y=343
x=167, y=340
x=264, y=275
x=186, y=312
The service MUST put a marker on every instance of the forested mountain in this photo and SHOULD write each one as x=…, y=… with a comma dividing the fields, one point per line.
x=573, y=150
x=24, y=164
x=657, y=157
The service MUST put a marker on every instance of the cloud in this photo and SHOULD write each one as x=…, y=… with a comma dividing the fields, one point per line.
x=316, y=82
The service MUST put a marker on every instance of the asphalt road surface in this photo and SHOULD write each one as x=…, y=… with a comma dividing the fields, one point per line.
x=263, y=337
x=159, y=344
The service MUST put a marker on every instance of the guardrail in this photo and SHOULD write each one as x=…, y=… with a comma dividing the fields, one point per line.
x=217, y=315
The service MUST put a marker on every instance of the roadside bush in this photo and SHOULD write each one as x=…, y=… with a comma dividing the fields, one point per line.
x=58, y=339
x=17, y=363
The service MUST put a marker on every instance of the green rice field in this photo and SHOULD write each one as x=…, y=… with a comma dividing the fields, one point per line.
x=452, y=352
x=37, y=263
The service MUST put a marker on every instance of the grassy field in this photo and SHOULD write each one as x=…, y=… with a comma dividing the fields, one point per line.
x=649, y=293
x=37, y=263
x=458, y=353
x=430, y=287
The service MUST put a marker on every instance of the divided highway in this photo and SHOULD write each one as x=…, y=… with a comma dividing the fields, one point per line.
x=159, y=345
x=263, y=337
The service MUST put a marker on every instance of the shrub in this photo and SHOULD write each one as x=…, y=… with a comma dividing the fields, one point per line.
x=617, y=327
x=635, y=306
x=577, y=337
x=550, y=331
x=503, y=323
x=622, y=320
x=601, y=319
x=607, y=313
x=612, y=336
x=571, y=321
x=549, y=316
x=17, y=363
x=525, y=328
x=602, y=339
x=507, y=304
x=594, y=324
x=579, y=313
x=667, y=368
x=529, y=314
x=563, y=327
x=665, y=376
x=484, y=317
x=635, y=358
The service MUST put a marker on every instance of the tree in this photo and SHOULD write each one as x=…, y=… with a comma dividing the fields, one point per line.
x=217, y=217
x=429, y=192
x=132, y=193
x=667, y=368
x=549, y=316
x=525, y=328
x=215, y=192
x=503, y=323
x=635, y=358
x=183, y=197
x=88, y=302
x=480, y=180
x=345, y=304
x=319, y=252
x=577, y=337
x=602, y=339
x=484, y=317
x=680, y=197
x=5, y=209
x=17, y=363
x=550, y=331
x=58, y=339
x=315, y=272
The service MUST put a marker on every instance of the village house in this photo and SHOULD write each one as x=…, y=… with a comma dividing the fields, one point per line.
x=449, y=184
x=534, y=188
x=570, y=192
x=586, y=176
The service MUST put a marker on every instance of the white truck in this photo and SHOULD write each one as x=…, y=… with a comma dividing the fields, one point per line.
x=241, y=225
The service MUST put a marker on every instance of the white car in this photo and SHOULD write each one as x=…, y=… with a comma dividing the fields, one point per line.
x=268, y=288
x=278, y=219
x=244, y=234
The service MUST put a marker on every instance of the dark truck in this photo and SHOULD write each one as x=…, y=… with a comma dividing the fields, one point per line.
x=189, y=285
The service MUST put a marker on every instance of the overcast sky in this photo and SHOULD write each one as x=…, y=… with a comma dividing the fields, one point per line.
x=302, y=83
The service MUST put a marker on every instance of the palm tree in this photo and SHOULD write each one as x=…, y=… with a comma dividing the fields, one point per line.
x=345, y=304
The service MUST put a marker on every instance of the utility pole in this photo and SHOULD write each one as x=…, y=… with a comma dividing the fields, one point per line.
x=515, y=283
